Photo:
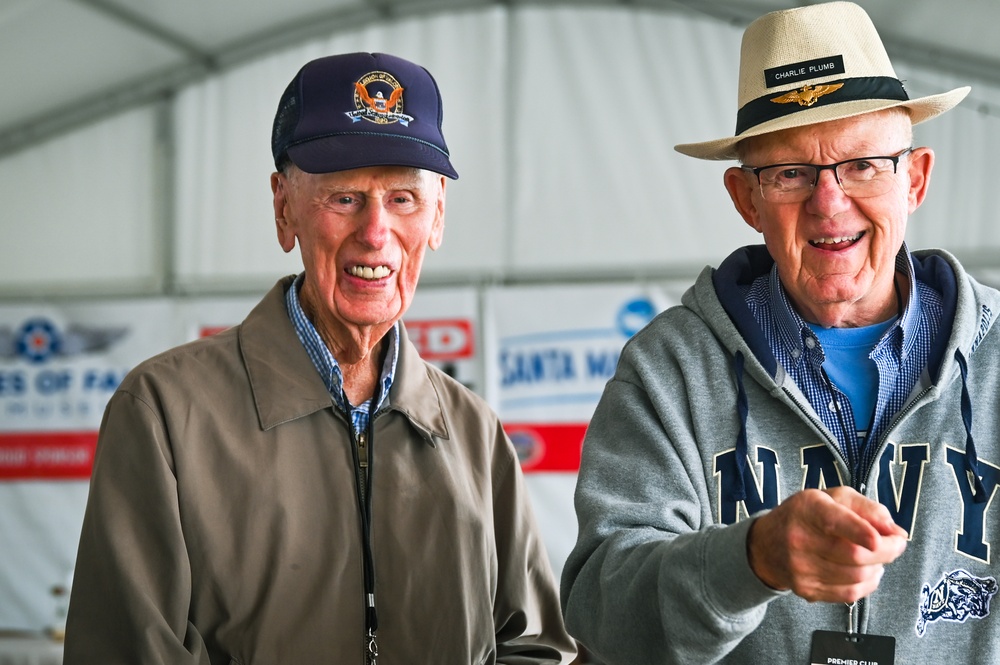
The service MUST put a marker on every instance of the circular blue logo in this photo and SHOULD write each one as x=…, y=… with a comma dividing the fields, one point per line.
x=527, y=444
x=38, y=340
x=634, y=315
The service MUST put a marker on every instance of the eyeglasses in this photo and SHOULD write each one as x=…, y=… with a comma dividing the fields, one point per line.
x=859, y=178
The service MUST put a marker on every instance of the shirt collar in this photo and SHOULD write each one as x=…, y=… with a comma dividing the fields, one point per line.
x=327, y=366
x=793, y=330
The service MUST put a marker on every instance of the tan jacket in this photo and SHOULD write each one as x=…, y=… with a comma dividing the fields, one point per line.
x=223, y=526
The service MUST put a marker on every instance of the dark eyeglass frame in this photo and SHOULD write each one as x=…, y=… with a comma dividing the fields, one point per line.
x=756, y=170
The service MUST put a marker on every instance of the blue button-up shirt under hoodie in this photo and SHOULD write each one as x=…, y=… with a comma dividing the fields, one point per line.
x=900, y=356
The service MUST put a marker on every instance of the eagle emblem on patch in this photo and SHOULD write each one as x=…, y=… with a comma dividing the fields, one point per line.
x=957, y=597
x=807, y=95
x=378, y=98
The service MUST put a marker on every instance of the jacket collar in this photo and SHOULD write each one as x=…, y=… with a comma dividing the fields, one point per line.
x=286, y=385
x=415, y=394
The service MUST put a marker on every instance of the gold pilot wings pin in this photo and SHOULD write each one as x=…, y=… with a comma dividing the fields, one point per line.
x=807, y=95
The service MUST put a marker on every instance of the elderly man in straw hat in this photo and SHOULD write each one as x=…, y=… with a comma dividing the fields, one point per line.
x=796, y=464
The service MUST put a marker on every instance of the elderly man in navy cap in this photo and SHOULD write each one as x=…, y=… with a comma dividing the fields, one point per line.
x=796, y=465
x=303, y=488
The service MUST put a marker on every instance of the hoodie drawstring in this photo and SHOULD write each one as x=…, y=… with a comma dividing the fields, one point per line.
x=971, y=459
x=739, y=491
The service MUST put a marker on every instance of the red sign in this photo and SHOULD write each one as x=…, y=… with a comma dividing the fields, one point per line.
x=208, y=331
x=542, y=447
x=443, y=339
x=47, y=455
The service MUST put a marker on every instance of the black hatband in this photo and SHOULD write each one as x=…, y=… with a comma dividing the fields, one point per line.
x=765, y=108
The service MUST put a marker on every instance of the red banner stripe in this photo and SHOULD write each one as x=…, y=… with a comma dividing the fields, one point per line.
x=70, y=455
x=47, y=455
x=546, y=447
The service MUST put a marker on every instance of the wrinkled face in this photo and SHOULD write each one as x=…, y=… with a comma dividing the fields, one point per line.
x=362, y=235
x=835, y=255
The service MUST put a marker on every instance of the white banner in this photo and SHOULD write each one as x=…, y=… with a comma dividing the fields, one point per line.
x=551, y=351
x=444, y=326
x=59, y=364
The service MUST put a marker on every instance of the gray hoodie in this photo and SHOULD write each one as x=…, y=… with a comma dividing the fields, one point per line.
x=700, y=430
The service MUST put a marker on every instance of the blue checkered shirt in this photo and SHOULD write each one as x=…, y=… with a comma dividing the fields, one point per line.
x=328, y=368
x=900, y=356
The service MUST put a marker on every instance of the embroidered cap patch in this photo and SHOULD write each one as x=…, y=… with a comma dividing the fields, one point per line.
x=378, y=98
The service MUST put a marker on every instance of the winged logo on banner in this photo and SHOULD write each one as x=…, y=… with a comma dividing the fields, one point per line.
x=38, y=340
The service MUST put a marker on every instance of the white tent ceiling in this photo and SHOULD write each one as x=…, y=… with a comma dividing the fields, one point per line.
x=67, y=62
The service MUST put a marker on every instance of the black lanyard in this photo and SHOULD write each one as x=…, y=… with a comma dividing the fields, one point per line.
x=363, y=488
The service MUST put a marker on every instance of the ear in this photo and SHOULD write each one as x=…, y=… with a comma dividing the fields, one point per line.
x=920, y=162
x=286, y=234
x=741, y=188
x=437, y=227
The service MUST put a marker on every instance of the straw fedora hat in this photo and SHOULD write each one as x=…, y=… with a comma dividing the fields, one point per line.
x=813, y=64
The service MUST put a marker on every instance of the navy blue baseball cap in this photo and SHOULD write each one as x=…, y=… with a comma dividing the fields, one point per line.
x=361, y=109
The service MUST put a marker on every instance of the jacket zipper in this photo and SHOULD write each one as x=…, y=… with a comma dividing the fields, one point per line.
x=854, y=618
x=862, y=486
x=361, y=447
x=905, y=411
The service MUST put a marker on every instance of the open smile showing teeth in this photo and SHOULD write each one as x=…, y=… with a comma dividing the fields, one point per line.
x=837, y=241
x=367, y=272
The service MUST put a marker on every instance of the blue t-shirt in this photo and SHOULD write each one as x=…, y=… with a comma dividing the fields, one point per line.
x=850, y=367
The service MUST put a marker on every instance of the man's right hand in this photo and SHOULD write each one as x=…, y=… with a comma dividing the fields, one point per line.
x=828, y=545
